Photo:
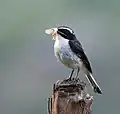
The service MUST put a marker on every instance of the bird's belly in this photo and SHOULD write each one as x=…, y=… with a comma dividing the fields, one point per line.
x=67, y=57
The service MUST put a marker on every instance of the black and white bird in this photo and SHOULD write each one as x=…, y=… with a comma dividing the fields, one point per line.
x=69, y=51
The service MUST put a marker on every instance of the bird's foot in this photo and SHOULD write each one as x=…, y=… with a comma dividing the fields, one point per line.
x=71, y=79
x=68, y=79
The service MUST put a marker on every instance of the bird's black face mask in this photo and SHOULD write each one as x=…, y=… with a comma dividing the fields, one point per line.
x=66, y=33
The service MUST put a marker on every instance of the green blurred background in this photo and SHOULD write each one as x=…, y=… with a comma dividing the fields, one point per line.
x=28, y=67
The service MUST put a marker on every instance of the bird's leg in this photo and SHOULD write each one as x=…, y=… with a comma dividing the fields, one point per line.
x=78, y=70
x=70, y=76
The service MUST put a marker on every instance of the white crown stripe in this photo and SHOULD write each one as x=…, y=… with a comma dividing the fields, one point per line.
x=67, y=29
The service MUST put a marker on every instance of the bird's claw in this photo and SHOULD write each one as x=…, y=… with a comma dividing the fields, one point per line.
x=68, y=79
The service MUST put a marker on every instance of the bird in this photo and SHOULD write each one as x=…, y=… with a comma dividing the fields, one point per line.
x=69, y=51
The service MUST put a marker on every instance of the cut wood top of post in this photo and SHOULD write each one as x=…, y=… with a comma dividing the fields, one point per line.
x=69, y=85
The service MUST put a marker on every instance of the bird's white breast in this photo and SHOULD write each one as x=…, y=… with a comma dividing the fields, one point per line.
x=60, y=47
x=64, y=54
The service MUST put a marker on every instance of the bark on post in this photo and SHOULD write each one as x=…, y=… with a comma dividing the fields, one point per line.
x=69, y=97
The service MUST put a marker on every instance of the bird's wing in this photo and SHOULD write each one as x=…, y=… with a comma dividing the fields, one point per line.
x=76, y=47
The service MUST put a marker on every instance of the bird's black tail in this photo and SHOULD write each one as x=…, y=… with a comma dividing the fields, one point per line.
x=93, y=83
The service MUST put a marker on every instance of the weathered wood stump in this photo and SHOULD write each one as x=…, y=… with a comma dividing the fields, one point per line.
x=70, y=97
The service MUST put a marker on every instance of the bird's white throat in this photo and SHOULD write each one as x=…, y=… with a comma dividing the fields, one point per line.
x=60, y=41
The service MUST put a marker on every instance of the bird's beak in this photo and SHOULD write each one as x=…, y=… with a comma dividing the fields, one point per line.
x=52, y=31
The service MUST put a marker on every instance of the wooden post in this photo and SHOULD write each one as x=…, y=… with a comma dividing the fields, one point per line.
x=70, y=97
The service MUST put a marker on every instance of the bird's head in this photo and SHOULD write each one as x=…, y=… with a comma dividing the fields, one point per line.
x=61, y=32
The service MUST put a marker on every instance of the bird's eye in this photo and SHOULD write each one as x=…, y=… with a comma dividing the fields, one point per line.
x=66, y=32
